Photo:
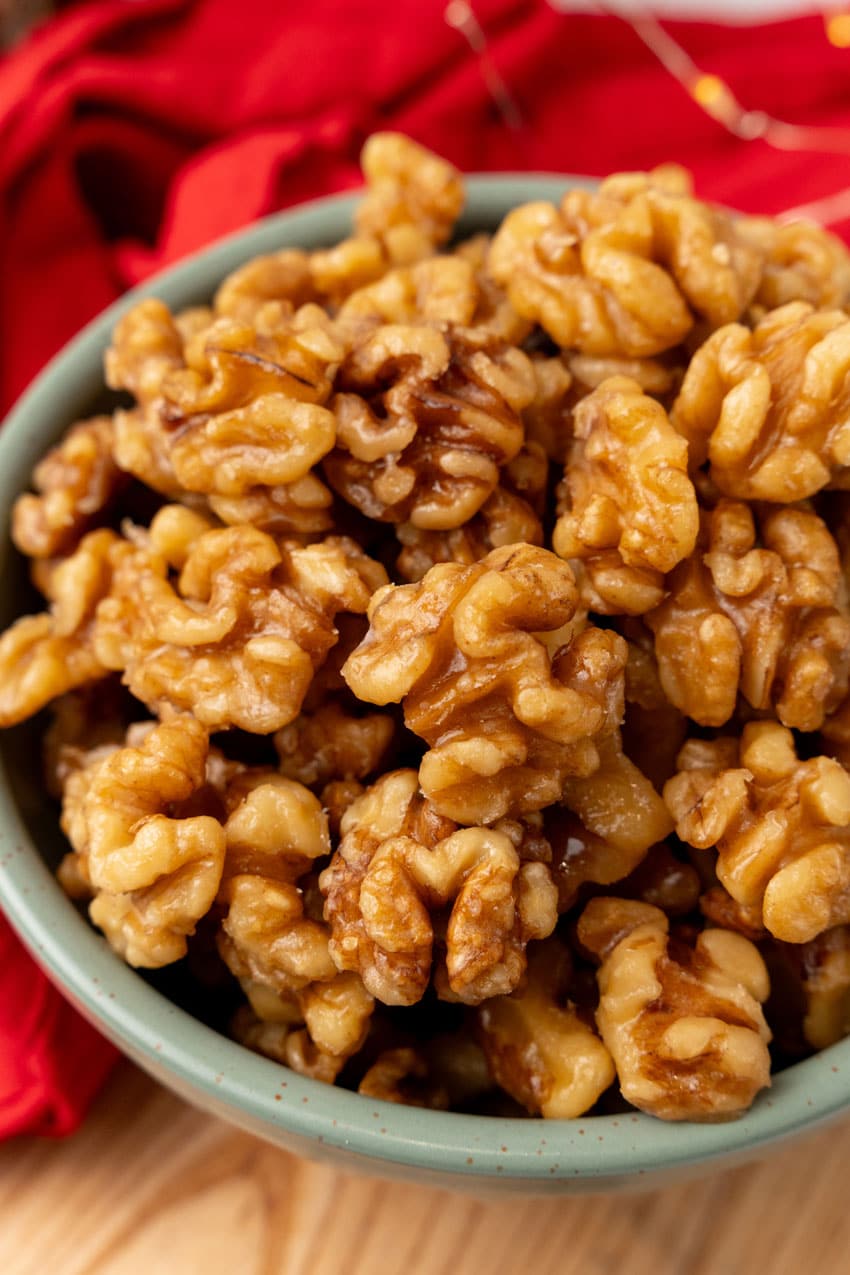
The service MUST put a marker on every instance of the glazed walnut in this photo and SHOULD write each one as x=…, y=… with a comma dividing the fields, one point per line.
x=44, y=656
x=427, y=421
x=333, y=744
x=539, y=1049
x=821, y=969
x=781, y=827
x=629, y=510
x=509, y=516
x=275, y=830
x=770, y=622
x=803, y=262
x=506, y=721
x=438, y=290
x=238, y=640
x=626, y=271
x=153, y=872
x=402, y=1075
x=684, y=1025
x=413, y=198
x=76, y=483
x=767, y=408
x=398, y=861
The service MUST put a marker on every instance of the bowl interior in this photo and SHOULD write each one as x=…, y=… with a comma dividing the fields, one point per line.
x=148, y=1015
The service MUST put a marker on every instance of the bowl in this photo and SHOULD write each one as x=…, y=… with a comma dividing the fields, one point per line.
x=478, y=1153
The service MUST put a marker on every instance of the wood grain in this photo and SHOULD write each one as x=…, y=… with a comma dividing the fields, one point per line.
x=152, y=1187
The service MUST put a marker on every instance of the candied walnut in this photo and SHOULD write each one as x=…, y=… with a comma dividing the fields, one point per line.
x=399, y=860
x=153, y=872
x=493, y=311
x=658, y=377
x=684, y=1025
x=238, y=640
x=434, y=417
x=283, y=276
x=403, y=1076
x=302, y=507
x=275, y=831
x=611, y=821
x=332, y=744
x=781, y=827
x=769, y=622
x=44, y=656
x=313, y=1031
x=628, y=511
x=76, y=483
x=438, y=290
x=539, y=1049
x=508, y=517
x=140, y=448
x=803, y=262
x=352, y=264
x=548, y=417
x=617, y=801
x=506, y=720
x=413, y=198
x=148, y=342
x=768, y=408
x=625, y=271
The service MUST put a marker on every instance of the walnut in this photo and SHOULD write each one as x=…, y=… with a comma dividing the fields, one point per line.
x=399, y=860
x=464, y=650
x=413, y=198
x=443, y=417
x=684, y=1025
x=769, y=622
x=402, y=1075
x=332, y=744
x=617, y=802
x=283, y=277
x=509, y=516
x=153, y=872
x=148, y=343
x=274, y=832
x=438, y=290
x=629, y=511
x=76, y=482
x=665, y=881
x=302, y=507
x=768, y=408
x=346, y=267
x=803, y=262
x=312, y=1031
x=612, y=819
x=493, y=311
x=625, y=271
x=781, y=827
x=44, y=656
x=238, y=640
x=336, y=797
x=539, y=1049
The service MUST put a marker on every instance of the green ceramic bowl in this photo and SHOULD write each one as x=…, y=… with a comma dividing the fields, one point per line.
x=475, y=1152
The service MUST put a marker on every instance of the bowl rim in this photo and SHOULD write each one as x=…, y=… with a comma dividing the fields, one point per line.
x=251, y=1089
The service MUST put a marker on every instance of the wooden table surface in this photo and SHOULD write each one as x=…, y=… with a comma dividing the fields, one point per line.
x=152, y=1187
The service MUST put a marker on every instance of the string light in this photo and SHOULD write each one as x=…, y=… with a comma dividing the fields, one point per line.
x=459, y=15
x=837, y=27
x=712, y=94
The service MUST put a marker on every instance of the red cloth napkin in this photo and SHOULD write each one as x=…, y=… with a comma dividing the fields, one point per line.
x=131, y=134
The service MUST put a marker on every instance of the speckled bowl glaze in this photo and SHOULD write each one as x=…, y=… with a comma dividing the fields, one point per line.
x=476, y=1153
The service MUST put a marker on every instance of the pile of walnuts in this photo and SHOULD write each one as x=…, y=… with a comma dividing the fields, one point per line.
x=469, y=705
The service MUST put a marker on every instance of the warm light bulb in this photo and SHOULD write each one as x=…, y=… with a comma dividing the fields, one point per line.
x=838, y=29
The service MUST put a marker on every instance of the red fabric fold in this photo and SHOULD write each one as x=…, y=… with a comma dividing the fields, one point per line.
x=132, y=134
